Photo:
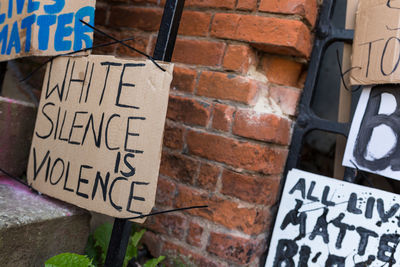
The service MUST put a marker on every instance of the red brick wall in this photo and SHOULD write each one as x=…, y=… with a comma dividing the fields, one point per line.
x=240, y=67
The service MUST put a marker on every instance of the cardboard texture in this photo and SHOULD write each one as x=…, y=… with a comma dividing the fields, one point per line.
x=376, y=46
x=98, y=134
x=326, y=222
x=44, y=28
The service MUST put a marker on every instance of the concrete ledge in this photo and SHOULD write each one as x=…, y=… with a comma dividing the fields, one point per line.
x=34, y=228
x=17, y=122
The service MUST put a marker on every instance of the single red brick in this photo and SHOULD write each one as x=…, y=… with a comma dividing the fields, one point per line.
x=188, y=110
x=140, y=42
x=226, y=86
x=194, y=23
x=239, y=58
x=224, y=212
x=146, y=19
x=270, y=34
x=228, y=4
x=233, y=248
x=156, y=2
x=153, y=243
x=282, y=71
x=302, y=79
x=173, y=135
x=184, y=79
x=286, y=97
x=223, y=117
x=208, y=176
x=246, y=5
x=101, y=14
x=305, y=8
x=194, y=234
x=239, y=154
x=250, y=188
x=185, y=256
x=178, y=167
x=165, y=192
x=101, y=39
x=198, y=52
x=118, y=1
x=262, y=126
x=169, y=224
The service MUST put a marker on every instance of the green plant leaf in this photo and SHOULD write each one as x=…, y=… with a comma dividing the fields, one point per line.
x=137, y=236
x=68, y=260
x=154, y=262
x=102, y=237
x=91, y=250
x=132, y=249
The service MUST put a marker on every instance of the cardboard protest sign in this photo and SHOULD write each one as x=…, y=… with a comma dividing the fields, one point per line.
x=98, y=133
x=376, y=45
x=44, y=28
x=373, y=143
x=327, y=222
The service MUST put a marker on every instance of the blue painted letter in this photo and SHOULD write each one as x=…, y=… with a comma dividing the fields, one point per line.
x=63, y=31
x=81, y=29
x=14, y=41
x=44, y=22
x=54, y=8
x=27, y=23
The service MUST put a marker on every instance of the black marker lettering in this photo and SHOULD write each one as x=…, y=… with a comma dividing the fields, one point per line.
x=66, y=180
x=103, y=184
x=108, y=64
x=122, y=84
x=384, y=248
x=364, y=235
x=300, y=186
x=115, y=206
x=310, y=191
x=37, y=169
x=83, y=181
x=132, y=196
x=285, y=252
x=352, y=204
x=74, y=126
x=52, y=169
x=45, y=136
x=106, y=133
x=321, y=228
x=128, y=133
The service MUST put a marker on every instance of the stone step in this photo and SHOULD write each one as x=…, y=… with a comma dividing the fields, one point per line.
x=17, y=121
x=34, y=228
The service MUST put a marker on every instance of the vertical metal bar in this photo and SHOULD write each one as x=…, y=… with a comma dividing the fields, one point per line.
x=163, y=51
x=3, y=69
x=168, y=30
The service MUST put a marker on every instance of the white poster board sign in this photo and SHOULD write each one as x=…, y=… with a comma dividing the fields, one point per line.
x=98, y=133
x=326, y=222
x=373, y=143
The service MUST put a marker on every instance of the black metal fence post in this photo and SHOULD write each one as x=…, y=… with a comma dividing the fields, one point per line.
x=307, y=120
x=163, y=51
